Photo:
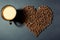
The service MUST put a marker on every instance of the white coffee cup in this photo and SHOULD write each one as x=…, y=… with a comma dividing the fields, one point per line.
x=8, y=12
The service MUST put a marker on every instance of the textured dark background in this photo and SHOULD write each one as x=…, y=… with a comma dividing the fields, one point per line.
x=12, y=32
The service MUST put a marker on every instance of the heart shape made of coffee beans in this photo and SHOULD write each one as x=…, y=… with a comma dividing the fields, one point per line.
x=38, y=19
